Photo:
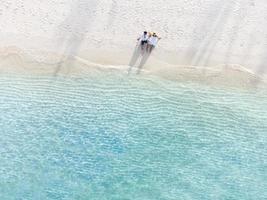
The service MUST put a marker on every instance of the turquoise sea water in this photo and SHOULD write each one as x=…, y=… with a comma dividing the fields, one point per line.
x=110, y=136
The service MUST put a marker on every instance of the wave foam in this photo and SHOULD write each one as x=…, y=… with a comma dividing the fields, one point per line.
x=14, y=60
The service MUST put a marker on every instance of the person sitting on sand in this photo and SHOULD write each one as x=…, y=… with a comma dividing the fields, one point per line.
x=152, y=42
x=143, y=39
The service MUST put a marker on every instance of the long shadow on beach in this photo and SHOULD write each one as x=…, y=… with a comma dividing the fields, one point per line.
x=138, y=52
x=200, y=51
x=73, y=32
x=143, y=61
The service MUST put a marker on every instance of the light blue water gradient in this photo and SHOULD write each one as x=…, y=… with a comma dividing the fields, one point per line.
x=112, y=136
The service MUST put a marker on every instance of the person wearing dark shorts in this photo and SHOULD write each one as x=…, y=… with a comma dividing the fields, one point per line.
x=143, y=42
x=143, y=39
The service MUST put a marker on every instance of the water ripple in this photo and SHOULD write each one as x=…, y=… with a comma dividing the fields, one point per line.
x=110, y=136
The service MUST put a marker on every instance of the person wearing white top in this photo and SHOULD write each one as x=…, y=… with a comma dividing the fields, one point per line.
x=143, y=39
x=152, y=42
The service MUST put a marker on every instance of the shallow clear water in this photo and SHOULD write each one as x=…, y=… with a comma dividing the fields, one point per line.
x=110, y=136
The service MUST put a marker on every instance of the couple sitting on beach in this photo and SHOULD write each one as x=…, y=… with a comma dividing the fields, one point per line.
x=148, y=39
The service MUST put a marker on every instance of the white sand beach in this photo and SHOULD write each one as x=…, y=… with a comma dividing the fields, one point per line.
x=221, y=41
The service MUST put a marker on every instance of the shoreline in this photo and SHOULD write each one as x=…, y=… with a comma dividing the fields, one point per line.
x=214, y=42
x=17, y=61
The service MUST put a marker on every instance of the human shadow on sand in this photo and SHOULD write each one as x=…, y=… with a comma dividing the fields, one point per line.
x=139, y=54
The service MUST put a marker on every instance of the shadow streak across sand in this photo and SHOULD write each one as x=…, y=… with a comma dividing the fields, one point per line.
x=138, y=52
x=72, y=32
x=143, y=61
x=199, y=51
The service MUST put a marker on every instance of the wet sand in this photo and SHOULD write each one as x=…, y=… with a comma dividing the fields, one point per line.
x=16, y=61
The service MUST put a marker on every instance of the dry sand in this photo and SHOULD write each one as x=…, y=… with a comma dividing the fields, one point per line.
x=216, y=41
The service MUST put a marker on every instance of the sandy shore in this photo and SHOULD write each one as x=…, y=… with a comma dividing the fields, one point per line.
x=215, y=41
x=16, y=61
